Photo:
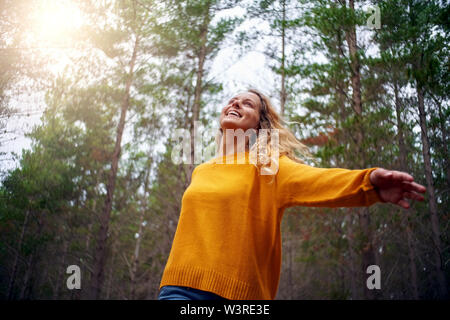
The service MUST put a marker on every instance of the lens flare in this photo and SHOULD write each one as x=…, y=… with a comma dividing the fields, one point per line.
x=55, y=20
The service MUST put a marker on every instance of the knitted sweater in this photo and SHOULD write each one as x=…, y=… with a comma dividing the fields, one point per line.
x=228, y=237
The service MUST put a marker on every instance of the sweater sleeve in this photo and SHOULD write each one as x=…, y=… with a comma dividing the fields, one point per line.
x=303, y=185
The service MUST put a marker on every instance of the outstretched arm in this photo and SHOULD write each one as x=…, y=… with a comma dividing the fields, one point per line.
x=304, y=185
x=396, y=186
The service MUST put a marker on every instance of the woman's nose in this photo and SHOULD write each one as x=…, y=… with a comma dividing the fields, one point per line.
x=236, y=103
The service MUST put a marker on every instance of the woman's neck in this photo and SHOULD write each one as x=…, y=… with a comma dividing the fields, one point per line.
x=232, y=146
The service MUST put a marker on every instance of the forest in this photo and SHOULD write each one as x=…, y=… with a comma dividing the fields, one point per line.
x=93, y=184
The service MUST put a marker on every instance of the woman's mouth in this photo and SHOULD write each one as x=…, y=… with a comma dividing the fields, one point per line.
x=233, y=114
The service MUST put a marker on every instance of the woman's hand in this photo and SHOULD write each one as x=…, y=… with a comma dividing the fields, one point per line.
x=396, y=186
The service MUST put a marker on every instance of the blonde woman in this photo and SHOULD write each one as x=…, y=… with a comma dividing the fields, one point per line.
x=228, y=243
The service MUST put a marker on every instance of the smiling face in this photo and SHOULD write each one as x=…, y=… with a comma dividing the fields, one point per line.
x=241, y=112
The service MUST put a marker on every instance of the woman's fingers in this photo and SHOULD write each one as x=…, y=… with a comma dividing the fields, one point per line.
x=412, y=186
x=397, y=187
x=399, y=175
x=409, y=195
x=413, y=196
x=386, y=177
x=403, y=203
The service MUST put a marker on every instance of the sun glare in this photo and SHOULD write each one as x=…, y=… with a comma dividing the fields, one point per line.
x=53, y=27
x=54, y=20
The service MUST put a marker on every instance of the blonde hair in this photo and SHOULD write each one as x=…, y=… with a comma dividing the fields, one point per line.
x=288, y=144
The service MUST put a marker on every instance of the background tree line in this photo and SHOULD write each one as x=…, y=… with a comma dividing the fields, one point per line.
x=98, y=189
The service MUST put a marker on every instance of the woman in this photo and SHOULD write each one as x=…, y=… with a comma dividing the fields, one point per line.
x=228, y=244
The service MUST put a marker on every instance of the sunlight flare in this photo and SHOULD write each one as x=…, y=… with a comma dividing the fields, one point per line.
x=55, y=20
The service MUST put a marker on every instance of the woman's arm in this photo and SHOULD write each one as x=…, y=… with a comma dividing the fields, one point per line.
x=396, y=186
x=304, y=185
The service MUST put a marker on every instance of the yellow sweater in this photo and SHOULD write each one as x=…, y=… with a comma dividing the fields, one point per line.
x=228, y=237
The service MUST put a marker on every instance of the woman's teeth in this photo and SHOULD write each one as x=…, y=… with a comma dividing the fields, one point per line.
x=232, y=113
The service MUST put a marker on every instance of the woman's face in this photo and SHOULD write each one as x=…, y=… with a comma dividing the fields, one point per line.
x=241, y=112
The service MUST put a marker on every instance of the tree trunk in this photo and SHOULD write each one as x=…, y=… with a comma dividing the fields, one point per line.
x=101, y=253
x=403, y=166
x=350, y=36
x=283, y=94
x=135, y=262
x=442, y=285
x=198, y=90
x=28, y=282
x=445, y=143
x=27, y=278
x=16, y=258
x=111, y=270
x=412, y=258
x=355, y=70
x=368, y=254
x=89, y=231
x=354, y=274
x=61, y=269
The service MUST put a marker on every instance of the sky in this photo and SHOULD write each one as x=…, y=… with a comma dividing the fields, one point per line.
x=236, y=74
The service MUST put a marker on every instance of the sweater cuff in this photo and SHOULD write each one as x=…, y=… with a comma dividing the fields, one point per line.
x=371, y=192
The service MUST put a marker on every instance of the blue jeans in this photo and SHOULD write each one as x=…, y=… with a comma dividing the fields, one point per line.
x=186, y=293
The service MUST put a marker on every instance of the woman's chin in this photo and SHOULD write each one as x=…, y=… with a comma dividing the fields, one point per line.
x=230, y=124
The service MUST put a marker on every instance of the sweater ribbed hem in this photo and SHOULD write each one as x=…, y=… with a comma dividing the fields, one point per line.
x=212, y=281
